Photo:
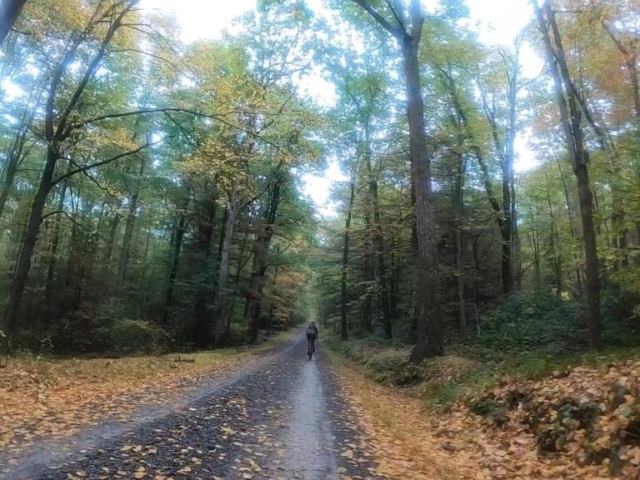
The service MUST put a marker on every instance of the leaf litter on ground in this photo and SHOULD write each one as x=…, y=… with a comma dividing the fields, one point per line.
x=42, y=398
x=413, y=442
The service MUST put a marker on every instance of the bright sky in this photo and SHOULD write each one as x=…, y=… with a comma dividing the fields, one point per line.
x=496, y=21
x=201, y=18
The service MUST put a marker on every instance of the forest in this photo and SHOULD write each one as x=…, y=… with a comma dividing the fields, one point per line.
x=154, y=194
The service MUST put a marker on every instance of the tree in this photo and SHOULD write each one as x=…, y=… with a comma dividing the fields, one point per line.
x=406, y=28
x=60, y=125
x=571, y=114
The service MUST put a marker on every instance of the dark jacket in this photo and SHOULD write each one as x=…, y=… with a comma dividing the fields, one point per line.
x=314, y=328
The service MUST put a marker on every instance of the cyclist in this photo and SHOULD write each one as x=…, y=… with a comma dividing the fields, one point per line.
x=312, y=335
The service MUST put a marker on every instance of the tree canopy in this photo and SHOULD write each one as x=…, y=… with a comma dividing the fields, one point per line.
x=157, y=190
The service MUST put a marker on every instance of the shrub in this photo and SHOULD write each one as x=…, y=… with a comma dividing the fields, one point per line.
x=392, y=366
x=443, y=396
x=531, y=322
x=127, y=337
x=620, y=322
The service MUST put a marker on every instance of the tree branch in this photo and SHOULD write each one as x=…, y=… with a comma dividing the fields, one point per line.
x=397, y=32
x=151, y=111
x=396, y=14
x=86, y=168
x=62, y=131
x=69, y=217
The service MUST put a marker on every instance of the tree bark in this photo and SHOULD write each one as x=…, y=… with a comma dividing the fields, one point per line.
x=222, y=308
x=15, y=154
x=202, y=320
x=458, y=208
x=181, y=228
x=344, y=293
x=427, y=284
x=368, y=274
x=128, y=230
x=9, y=13
x=53, y=251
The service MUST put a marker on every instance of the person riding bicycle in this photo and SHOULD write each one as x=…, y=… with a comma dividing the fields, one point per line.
x=312, y=336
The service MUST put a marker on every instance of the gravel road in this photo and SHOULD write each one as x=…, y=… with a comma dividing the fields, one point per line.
x=284, y=418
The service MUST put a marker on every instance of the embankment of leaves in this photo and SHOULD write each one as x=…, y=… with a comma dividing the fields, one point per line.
x=536, y=412
x=586, y=414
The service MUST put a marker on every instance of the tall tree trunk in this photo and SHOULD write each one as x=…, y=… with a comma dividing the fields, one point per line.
x=344, y=293
x=458, y=207
x=394, y=282
x=202, y=321
x=382, y=272
x=145, y=257
x=222, y=316
x=515, y=236
x=264, y=234
x=180, y=229
x=427, y=283
x=554, y=240
x=111, y=241
x=412, y=336
x=594, y=314
x=368, y=274
x=429, y=336
x=274, y=285
x=128, y=230
x=15, y=154
x=53, y=250
x=23, y=265
x=571, y=113
x=240, y=267
x=378, y=239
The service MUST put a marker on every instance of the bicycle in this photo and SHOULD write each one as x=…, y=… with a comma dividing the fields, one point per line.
x=310, y=349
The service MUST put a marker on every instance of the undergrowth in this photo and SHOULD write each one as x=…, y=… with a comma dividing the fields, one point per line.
x=524, y=337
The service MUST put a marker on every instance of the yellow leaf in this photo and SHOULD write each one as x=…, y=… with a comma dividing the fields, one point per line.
x=348, y=454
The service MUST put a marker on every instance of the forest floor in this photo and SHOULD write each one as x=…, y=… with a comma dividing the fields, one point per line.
x=579, y=422
x=44, y=398
x=269, y=413
x=226, y=416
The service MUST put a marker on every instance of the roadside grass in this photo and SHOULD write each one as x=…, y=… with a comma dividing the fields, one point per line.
x=41, y=397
